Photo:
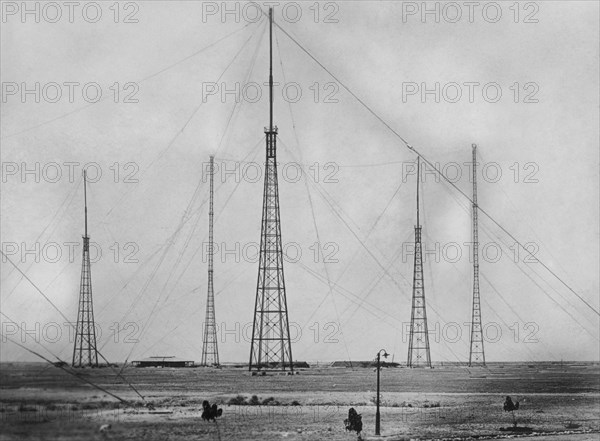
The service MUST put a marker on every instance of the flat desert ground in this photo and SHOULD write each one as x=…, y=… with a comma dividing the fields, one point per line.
x=557, y=401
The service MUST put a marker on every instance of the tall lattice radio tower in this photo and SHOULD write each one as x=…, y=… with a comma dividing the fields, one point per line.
x=271, y=347
x=418, y=343
x=476, y=353
x=84, y=349
x=210, y=350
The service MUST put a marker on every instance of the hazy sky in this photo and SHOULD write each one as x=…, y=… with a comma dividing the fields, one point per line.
x=522, y=85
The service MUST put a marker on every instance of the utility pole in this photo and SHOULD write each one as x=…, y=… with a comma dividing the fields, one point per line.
x=377, y=414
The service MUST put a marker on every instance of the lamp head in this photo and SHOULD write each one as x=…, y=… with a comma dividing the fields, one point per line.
x=385, y=354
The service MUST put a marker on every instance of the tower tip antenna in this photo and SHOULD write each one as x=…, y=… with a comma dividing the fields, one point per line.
x=271, y=68
x=85, y=200
x=418, y=182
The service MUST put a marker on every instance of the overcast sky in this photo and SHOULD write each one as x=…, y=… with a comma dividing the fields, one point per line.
x=522, y=85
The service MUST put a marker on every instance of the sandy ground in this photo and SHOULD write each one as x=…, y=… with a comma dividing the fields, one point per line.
x=44, y=403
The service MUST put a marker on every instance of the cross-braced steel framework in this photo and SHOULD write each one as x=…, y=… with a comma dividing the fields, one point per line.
x=476, y=352
x=418, y=343
x=210, y=350
x=271, y=347
x=84, y=349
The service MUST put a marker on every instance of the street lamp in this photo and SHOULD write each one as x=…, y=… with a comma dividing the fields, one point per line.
x=377, y=415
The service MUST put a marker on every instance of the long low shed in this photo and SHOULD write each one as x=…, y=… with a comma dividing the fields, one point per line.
x=162, y=362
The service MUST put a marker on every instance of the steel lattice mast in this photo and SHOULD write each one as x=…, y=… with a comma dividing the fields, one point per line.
x=84, y=349
x=476, y=353
x=418, y=343
x=271, y=346
x=210, y=350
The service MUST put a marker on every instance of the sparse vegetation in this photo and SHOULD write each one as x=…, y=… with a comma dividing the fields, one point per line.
x=255, y=400
x=25, y=408
x=240, y=400
x=428, y=404
x=417, y=404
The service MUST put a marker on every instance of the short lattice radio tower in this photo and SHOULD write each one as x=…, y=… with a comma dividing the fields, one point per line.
x=418, y=343
x=84, y=351
x=271, y=347
x=476, y=353
x=210, y=350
